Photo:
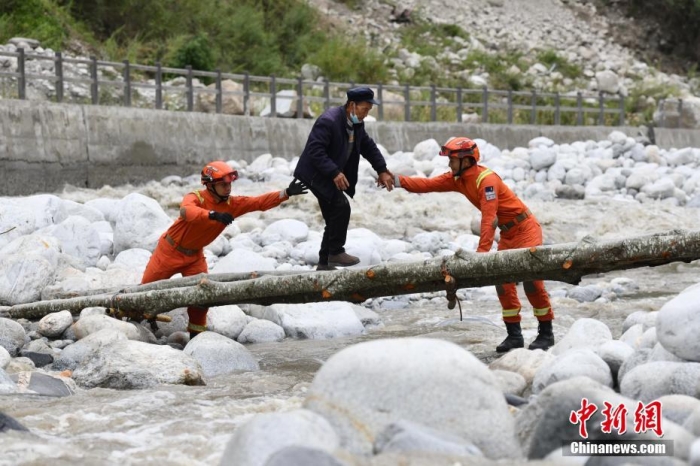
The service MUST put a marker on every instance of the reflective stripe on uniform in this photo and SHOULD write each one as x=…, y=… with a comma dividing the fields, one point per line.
x=196, y=328
x=510, y=312
x=541, y=312
x=483, y=175
x=199, y=196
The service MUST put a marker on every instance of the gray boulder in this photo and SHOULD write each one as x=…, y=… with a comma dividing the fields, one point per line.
x=410, y=437
x=364, y=388
x=583, y=333
x=131, y=364
x=261, y=331
x=73, y=355
x=574, y=363
x=53, y=325
x=12, y=336
x=650, y=381
x=254, y=442
x=678, y=325
x=218, y=355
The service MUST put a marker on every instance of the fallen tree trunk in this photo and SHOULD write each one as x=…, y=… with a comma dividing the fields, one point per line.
x=562, y=262
x=172, y=283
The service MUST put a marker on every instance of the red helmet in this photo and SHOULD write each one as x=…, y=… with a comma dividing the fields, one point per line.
x=460, y=148
x=218, y=172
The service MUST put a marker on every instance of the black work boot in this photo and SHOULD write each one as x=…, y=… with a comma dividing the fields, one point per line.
x=513, y=340
x=545, y=336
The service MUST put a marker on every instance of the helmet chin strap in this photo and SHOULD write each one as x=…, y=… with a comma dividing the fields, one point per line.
x=212, y=189
x=462, y=168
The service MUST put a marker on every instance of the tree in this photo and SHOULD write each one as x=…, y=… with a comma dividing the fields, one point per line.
x=563, y=262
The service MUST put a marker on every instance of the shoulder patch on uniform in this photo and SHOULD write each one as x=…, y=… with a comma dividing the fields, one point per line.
x=490, y=193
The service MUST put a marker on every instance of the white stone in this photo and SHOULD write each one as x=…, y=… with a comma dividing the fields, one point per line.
x=583, y=333
x=678, y=324
x=219, y=355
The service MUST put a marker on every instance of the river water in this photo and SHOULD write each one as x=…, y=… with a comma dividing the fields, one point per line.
x=192, y=425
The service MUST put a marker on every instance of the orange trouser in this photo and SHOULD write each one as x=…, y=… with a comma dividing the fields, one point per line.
x=525, y=234
x=167, y=261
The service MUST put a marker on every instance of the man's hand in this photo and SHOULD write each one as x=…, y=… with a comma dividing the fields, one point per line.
x=341, y=182
x=223, y=217
x=295, y=188
x=386, y=180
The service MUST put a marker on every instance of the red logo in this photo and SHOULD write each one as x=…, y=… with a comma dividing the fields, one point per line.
x=646, y=417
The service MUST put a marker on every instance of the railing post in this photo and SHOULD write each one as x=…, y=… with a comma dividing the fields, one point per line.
x=300, y=97
x=433, y=103
x=58, y=68
x=510, y=106
x=557, y=109
x=601, y=109
x=127, y=84
x=159, y=86
x=407, y=103
x=533, y=112
x=680, y=112
x=190, y=90
x=459, y=105
x=621, y=122
x=246, y=94
x=94, y=90
x=21, y=80
x=380, y=96
x=219, y=92
x=326, y=95
x=485, y=105
x=273, y=96
x=579, y=109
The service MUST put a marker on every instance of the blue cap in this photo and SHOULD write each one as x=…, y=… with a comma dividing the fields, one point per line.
x=362, y=94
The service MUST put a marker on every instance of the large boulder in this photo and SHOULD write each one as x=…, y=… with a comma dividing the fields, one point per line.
x=131, y=364
x=364, y=388
x=218, y=355
x=260, y=438
x=678, y=325
x=12, y=336
x=139, y=223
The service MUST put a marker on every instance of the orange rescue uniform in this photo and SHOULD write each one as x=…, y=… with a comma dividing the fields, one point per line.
x=500, y=207
x=180, y=249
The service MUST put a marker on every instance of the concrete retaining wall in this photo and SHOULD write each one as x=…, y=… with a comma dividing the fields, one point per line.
x=45, y=145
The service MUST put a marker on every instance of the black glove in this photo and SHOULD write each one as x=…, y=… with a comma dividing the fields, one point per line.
x=222, y=217
x=296, y=187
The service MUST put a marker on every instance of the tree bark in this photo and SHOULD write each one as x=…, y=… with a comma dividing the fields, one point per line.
x=170, y=283
x=563, y=262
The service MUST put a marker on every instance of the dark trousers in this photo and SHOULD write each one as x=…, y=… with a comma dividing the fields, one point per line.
x=336, y=214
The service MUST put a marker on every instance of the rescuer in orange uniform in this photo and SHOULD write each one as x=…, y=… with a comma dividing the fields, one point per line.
x=500, y=207
x=204, y=214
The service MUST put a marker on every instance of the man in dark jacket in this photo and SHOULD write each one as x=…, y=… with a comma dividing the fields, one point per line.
x=329, y=164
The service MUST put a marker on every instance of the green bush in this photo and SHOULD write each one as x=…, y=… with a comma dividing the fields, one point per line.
x=342, y=60
x=193, y=51
x=37, y=19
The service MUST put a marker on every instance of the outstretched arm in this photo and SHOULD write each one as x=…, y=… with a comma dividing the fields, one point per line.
x=414, y=184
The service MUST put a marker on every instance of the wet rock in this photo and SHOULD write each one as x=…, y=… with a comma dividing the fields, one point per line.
x=584, y=333
x=131, y=364
x=217, y=355
x=410, y=437
x=254, y=442
x=371, y=382
x=652, y=380
x=303, y=456
x=573, y=363
x=12, y=336
x=261, y=331
x=10, y=423
x=41, y=384
x=678, y=325
x=39, y=359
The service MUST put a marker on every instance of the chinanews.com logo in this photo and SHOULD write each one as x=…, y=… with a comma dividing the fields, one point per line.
x=647, y=418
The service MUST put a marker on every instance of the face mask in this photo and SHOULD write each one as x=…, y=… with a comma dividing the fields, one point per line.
x=353, y=117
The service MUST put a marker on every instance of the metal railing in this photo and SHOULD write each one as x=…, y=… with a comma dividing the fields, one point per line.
x=399, y=102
